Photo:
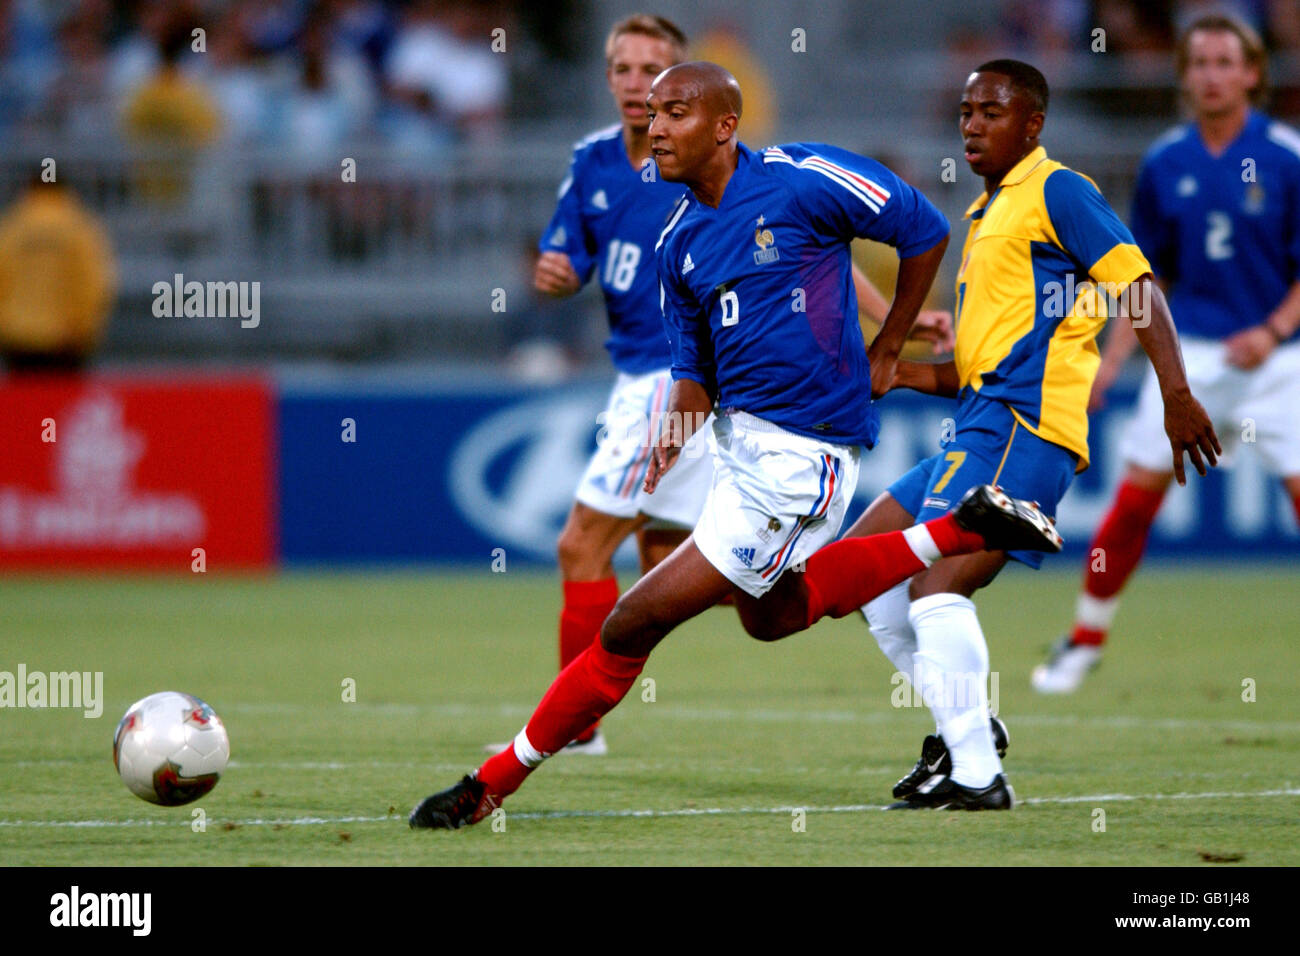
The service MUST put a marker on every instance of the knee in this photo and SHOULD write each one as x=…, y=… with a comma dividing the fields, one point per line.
x=569, y=549
x=625, y=630
x=769, y=627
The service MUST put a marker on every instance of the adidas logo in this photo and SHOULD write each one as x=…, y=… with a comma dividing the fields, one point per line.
x=746, y=556
x=688, y=265
x=599, y=200
x=559, y=237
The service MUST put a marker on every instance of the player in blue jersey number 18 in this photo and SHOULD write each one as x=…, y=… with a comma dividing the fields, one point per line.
x=612, y=207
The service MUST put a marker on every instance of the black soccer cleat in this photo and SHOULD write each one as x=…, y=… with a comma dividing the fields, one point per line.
x=1006, y=523
x=466, y=803
x=941, y=793
x=935, y=759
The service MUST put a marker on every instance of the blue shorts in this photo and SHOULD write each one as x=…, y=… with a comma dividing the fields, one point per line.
x=990, y=447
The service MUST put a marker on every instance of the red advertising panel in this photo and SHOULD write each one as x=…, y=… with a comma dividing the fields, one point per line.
x=116, y=472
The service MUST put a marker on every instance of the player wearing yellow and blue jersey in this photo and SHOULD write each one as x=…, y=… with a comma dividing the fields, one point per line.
x=1045, y=257
x=1217, y=210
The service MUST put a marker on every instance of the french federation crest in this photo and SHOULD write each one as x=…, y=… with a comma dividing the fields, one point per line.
x=766, y=243
x=1253, y=204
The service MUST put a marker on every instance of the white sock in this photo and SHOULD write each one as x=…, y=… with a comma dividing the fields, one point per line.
x=921, y=542
x=1095, y=613
x=887, y=618
x=525, y=752
x=952, y=662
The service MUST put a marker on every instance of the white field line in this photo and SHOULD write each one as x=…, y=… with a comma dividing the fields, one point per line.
x=769, y=715
x=639, y=814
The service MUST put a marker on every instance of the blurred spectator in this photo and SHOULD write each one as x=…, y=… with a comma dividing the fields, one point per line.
x=172, y=117
x=28, y=58
x=1136, y=27
x=443, y=71
x=1041, y=28
x=331, y=101
x=235, y=75
x=56, y=280
x=170, y=109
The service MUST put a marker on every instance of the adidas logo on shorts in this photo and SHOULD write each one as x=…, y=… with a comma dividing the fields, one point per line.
x=746, y=556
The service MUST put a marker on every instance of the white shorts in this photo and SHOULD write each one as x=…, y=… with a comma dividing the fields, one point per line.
x=1260, y=408
x=776, y=498
x=614, y=476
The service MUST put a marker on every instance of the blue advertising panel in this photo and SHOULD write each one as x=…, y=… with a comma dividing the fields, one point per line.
x=432, y=472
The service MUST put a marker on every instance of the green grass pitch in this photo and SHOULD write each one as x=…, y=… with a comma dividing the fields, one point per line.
x=748, y=753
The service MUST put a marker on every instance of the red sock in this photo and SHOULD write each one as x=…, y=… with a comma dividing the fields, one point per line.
x=1116, y=550
x=585, y=691
x=586, y=605
x=846, y=574
x=1295, y=503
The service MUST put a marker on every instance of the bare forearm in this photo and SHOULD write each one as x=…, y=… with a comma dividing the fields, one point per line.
x=915, y=276
x=1153, y=327
x=871, y=302
x=1285, y=319
x=932, y=379
x=689, y=403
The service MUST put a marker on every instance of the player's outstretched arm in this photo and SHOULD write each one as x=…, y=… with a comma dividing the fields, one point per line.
x=915, y=276
x=932, y=379
x=1188, y=427
x=689, y=404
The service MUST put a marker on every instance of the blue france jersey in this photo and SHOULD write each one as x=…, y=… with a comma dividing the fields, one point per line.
x=1225, y=232
x=608, y=219
x=758, y=294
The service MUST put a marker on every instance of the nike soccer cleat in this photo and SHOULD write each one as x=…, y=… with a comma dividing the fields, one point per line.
x=1006, y=523
x=935, y=759
x=466, y=803
x=1066, y=668
x=941, y=793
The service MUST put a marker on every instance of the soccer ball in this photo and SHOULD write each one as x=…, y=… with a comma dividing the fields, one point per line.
x=170, y=748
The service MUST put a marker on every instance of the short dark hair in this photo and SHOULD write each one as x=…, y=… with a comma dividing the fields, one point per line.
x=1024, y=78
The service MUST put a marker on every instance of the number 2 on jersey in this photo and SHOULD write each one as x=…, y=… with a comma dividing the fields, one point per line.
x=1218, y=236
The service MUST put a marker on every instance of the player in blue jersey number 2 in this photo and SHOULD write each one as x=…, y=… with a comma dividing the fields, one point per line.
x=1217, y=211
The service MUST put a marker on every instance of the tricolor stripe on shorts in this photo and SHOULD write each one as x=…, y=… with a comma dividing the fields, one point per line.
x=825, y=495
x=634, y=474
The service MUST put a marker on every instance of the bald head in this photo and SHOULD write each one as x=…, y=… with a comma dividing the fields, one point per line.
x=694, y=108
x=714, y=87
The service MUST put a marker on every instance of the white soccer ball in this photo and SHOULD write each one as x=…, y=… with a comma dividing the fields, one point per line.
x=170, y=748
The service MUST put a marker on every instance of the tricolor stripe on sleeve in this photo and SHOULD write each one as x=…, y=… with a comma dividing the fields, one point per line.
x=870, y=192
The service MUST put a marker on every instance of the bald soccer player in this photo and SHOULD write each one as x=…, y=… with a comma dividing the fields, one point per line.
x=757, y=297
